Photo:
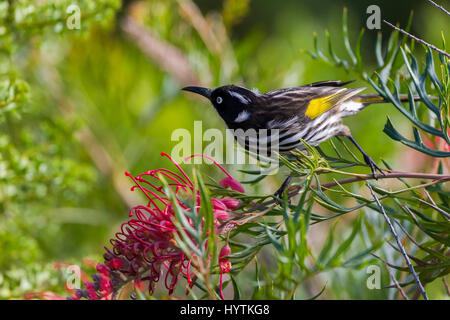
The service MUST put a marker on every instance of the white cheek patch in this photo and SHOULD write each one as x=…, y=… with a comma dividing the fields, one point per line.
x=241, y=98
x=242, y=116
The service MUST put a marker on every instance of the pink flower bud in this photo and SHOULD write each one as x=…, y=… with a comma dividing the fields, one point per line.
x=218, y=204
x=225, y=251
x=116, y=263
x=231, y=203
x=106, y=286
x=101, y=268
x=224, y=263
x=221, y=215
x=231, y=183
x=91, y=290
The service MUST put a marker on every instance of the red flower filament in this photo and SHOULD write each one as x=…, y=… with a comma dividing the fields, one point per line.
x=145, y=248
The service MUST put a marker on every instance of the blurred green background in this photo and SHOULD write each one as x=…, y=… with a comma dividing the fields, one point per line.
x=105, y=99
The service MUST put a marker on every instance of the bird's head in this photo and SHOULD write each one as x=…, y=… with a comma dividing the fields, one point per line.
x=233, y=103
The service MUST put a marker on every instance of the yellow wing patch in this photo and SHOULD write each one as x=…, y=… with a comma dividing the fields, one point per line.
x=318, y=106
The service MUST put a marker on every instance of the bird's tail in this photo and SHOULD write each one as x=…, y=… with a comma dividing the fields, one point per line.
x=358, y=102
x=367, y=99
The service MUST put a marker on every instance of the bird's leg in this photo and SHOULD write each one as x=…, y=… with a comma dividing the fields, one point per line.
x=368, y=160
x=279, y=192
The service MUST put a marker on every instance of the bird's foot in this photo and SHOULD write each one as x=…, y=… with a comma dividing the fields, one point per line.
x=373, y=166
x=279, y=193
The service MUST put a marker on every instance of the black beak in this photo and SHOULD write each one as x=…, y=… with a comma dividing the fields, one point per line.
x=199, y=90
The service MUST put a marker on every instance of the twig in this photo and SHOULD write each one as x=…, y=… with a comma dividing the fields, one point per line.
x=389, y=175
x=439, y=6
x=294, y=190
x=190, y=11
x=232, y=223
x=442, y=212
x=408, y=235
x=405, y=255
x=213, y=33
x=436, y=206
x=419, y=262
x=397, y=285
x=165, y=55
x=252, y=215
x=418, y=39
x=429, y=197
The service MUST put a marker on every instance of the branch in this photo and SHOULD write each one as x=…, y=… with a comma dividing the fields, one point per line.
x=435, y=207
x=418, y=40
x=439, y=7
x=399, y=243
x=397, y=285
x=294, y=190
x=389, y=175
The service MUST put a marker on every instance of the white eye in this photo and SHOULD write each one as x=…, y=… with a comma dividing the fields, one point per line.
x=219, y=100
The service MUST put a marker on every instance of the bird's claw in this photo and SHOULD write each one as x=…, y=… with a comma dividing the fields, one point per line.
x=279, y=193
x=373, y=166
x=279, y=198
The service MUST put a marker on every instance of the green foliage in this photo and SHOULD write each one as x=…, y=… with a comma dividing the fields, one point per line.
x=40, y=172
x=392, y=80
x=409, y=209
x=419, y=82
x=234, y=11
x=36, y=278
x=388, y=63
x=25, y=18
x=412, y=214
x=13, y=92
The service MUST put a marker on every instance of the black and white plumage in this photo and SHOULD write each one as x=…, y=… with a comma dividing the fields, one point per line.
x=311, y=112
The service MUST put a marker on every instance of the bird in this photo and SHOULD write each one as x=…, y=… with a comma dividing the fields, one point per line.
x=312, y=112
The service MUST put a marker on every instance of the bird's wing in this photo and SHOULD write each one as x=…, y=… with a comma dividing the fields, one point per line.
x=305, y=101
x=319, y=105
x=329, y=83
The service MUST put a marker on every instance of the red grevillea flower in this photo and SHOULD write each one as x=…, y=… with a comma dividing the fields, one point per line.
x=224, y=265
x=144, y=250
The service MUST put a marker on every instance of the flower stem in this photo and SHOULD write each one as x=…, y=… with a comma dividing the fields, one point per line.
x=399, y=243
